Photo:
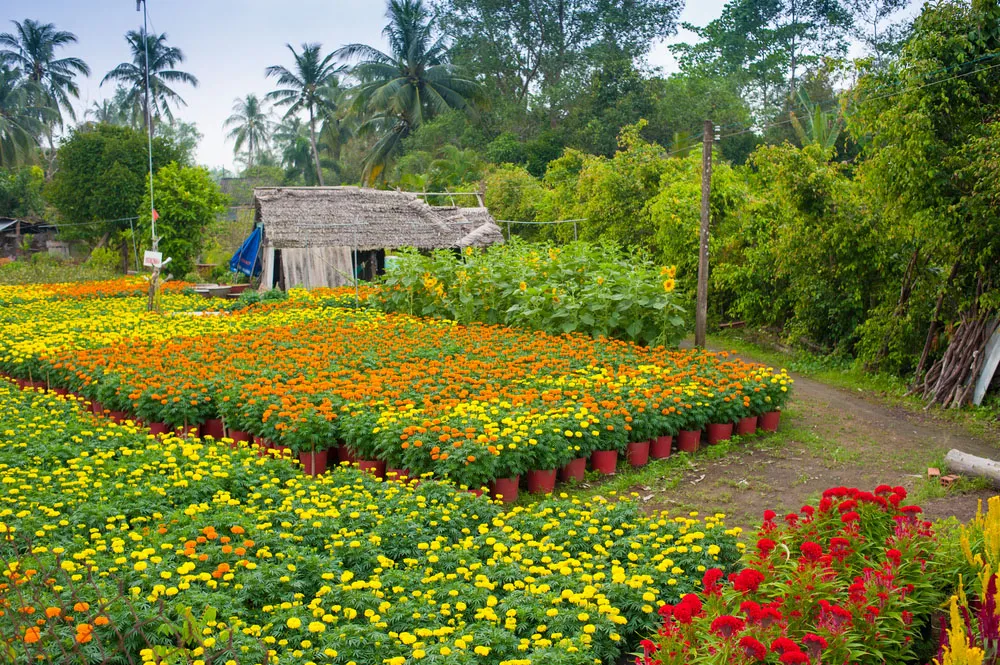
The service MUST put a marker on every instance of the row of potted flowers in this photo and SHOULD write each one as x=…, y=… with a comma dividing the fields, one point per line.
x=317, y=460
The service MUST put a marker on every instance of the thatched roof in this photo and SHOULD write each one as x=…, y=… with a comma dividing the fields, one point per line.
x=365, y=218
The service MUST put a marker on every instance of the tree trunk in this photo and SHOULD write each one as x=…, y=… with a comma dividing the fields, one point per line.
x=315, y=152
x=971, y=465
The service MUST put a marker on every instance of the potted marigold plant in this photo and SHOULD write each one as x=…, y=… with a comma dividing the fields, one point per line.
x=776, y=391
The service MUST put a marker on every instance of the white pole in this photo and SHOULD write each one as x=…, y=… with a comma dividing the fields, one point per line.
x=149, y=119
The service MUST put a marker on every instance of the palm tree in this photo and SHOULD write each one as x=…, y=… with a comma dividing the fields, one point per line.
x=401, y=89
x=292, y=140
x=251, y=125
x=303, y=89
x=31, y=48
x=21, y=119
x=337, y=127
x=162, y=60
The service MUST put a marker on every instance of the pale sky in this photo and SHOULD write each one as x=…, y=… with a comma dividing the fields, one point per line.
x=229, y=44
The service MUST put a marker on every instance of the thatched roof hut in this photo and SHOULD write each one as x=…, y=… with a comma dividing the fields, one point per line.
x=312, y=235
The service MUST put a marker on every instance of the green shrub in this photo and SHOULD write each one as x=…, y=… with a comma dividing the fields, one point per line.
x=599, y=289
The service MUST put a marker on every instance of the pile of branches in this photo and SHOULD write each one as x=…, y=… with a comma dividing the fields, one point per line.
x=951, y=380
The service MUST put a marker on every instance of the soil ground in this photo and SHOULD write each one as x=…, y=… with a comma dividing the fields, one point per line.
x=828, y=437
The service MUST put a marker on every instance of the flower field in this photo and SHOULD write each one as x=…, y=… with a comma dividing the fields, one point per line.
x=115, y=541
x=471, y=403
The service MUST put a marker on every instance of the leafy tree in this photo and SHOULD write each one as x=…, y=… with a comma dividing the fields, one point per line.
x=765, y=45
x=101, y=180
x=21, y=119
x=31, y=48
x=338, y=128
x=21, y=192
x=250, y=126
x=183, y=135
x=161, y=72
x=412, y=83
x=530, y=49
x=872, y=25
x=929, y=118
x=188, y=201
x=303, y=89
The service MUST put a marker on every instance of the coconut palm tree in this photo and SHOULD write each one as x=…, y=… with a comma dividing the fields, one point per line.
x=338, y=126
x=22, y=120
x=401, y=89
x=302, y=89
x=31, y=48
x=291, y=138
x=251, y=126
x=162, y=61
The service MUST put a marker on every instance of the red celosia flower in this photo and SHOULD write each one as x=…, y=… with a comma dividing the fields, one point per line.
x=768, y=616
x=726, y=626
x=747, y=580
x=894, y=555
x=825, y=504
x=899, y=491
x=808, y=510
x=750, y=610
x=666, y=611
x=846, y=506
x=784, y=645
x=847, y=518
x=753, y=648
x=649, y=647
x=794, y=658
x=792, y=519
x=835, y=492
x=765, y=546
x=710, y=581
x=912, y=510
x=883, y=489
x=811, y=551
x=814, y=644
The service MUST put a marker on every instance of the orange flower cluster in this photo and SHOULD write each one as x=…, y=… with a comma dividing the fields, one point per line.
x=472, y=403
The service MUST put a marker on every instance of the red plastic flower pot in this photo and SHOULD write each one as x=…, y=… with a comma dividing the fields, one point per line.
x=345, y=454
x=237, y=436
x=97, y=408
x=638, y=453
x=604, y=461
x=60, y=391
x=119, y=416
x=719, y=432
x=263, y=445
x=541, y=482
x=314, y=462
x=374, y=467
x=659, y=448
x=575, y=470
x=769, y=421
x=213, y=428
x=746, y=425
x=688, y=440
x=505, y=489
x=158, y=428
x=280, y=452
x=396, y=474
x=474, y=492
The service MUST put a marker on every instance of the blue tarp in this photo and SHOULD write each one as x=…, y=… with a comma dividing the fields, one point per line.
x=247, y=258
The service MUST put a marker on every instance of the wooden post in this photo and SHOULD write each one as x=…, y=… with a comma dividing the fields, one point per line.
x=701, y=313
x=17, y=238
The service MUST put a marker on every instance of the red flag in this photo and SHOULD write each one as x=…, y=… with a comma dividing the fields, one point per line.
x=156, y=215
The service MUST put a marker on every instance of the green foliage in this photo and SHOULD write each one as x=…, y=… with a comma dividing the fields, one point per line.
x=104, y=260
x=21, y=192
x=930, y=120
x=806, y=256
x=103, y=175
x=44, y=269
x=187, y=200
x=597, y=289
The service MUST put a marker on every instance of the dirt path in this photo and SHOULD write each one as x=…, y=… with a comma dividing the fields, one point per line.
x=828, y=437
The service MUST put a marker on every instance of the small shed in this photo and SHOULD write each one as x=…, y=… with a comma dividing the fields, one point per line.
x=13, y=232
x=328, y=236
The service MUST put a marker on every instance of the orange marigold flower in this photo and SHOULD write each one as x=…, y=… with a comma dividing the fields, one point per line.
x=32, y=635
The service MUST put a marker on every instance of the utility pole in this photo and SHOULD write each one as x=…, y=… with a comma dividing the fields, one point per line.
x=141, y=4
x=701, y=313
